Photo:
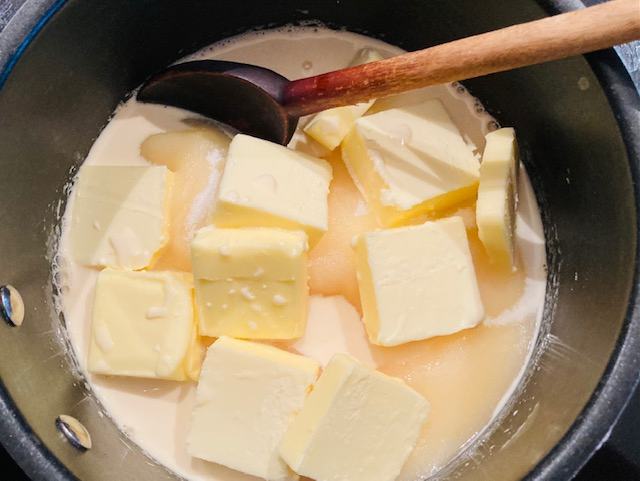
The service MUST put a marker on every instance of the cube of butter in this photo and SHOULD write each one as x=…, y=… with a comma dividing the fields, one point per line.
x=143, y=325
x=120, y=215
x=268, y=185
x=247, y=396
x=417, y=282
x=330, y=126
x=410, y=161
x=496, y=208
x=356, y=425
x=251, y=283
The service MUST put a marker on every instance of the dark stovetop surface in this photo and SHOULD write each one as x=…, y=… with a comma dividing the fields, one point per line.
x=617, y=460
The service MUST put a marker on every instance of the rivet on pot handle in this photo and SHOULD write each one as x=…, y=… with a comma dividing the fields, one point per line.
x=74, y=431
x=11, y=305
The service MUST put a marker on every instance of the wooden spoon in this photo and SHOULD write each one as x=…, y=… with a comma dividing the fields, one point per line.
x=263, y=103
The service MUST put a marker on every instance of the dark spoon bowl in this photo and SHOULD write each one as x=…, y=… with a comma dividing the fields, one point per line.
x=239, y=101
x=65, y=66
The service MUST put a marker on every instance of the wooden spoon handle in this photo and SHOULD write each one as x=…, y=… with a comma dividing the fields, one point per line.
x=551, y=38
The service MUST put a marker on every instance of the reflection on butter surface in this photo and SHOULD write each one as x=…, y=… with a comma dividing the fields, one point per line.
x=251, y=283
x=465, y=376
x=497, y=196
x=435, y=170
x=247, y=396
x=331, y=126
x=417, y=282
x=143, y=325
x=120, y=215
x=354, y=414
x=268, y=185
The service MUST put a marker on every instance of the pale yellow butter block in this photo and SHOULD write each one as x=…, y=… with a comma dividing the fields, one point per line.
x=268, y=185
x=417, y=282
x=410, y=161
x=356, y=425
x=143, y=325
x=119, y=215
x=247, y=396
x=497, y=196
x=251, y=283
x=330, y=127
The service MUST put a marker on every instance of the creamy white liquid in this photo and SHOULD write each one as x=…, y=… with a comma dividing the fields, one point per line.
x=155, y=414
